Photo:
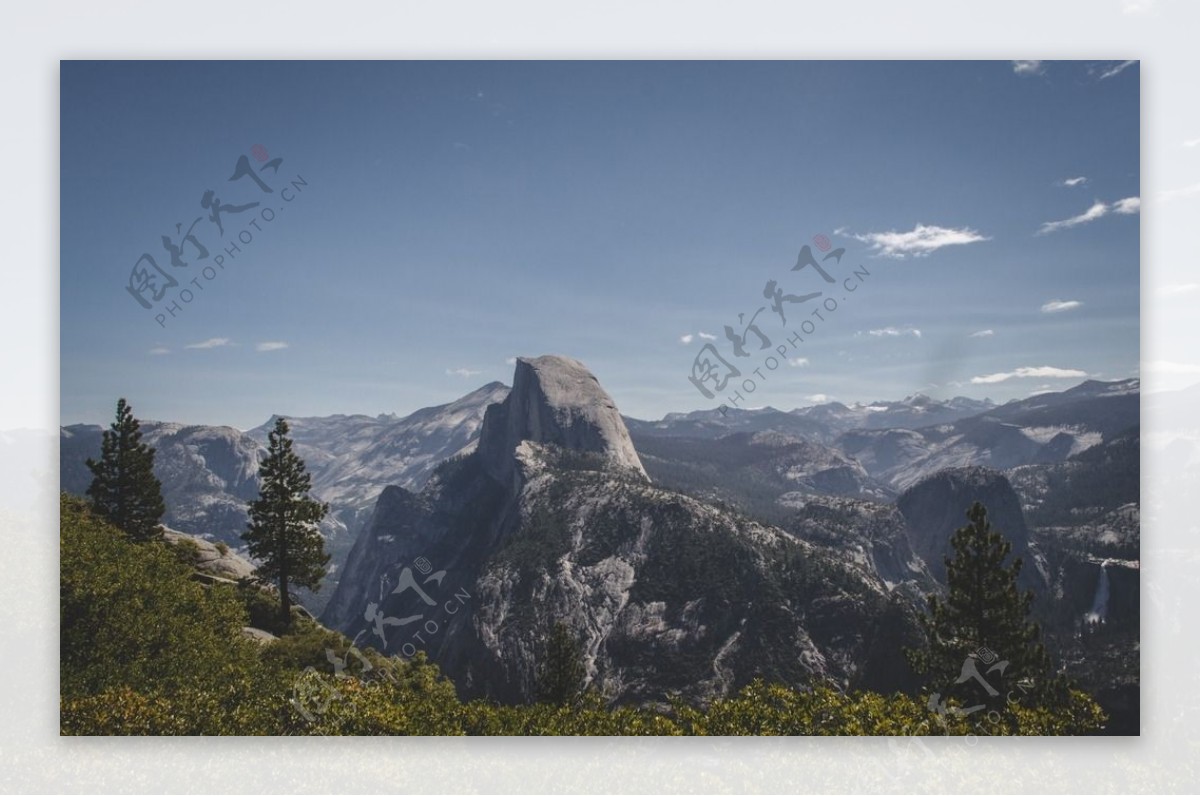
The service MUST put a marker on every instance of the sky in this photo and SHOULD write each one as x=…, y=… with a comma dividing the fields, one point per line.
x=426, y=222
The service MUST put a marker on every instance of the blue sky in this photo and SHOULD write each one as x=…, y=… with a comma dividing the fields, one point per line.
x=451, y=215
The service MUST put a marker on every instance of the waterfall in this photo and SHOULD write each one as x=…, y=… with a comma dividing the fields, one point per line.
x=1099, y=612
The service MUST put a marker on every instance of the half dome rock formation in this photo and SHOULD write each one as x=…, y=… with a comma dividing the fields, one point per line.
x=556, y=401
x=553, y=520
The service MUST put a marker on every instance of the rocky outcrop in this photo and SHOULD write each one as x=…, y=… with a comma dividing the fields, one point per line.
x=554, y=401
x=936, y=507
x=220, y=562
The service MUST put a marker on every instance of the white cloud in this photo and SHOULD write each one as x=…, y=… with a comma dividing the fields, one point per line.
x=1027, y=68
x=687, y=338
x=1178, y=290
x=271, y=345
x=510, y=361
x=1138, y=6
x=918, y=242
x=1058, y=305
x=983, y=333
x=1097, y=210
x=1126, y=206
x=212, y=342
x=159, y=350
x=1071, y=182
x=464, y=372
x=1192, y=143
x=1043, y=372
x=818, y=398
x=707, y=336
x=1116, y=70
x=798, y=362
x=892, y=331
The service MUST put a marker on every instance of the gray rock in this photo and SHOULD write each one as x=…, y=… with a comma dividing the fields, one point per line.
x=209, y=559
x=936, y=507
x=259, y=635
x=557, y=401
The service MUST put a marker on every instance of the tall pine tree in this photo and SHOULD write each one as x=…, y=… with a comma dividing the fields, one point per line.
x=124, y=489
x=282, y=533
x=983, y=609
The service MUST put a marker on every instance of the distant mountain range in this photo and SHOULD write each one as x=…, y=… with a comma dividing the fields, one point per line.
x=693, y=552
x=822, y=422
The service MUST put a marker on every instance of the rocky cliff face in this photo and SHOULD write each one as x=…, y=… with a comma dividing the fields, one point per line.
x=554, y=401
x=553, y=520
x=936, y=507
x=874, y=533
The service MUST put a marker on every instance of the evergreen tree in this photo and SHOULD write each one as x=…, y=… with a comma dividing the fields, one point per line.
x=283, y=532
x=561, y=673
x=983, y=609
x=124, y=490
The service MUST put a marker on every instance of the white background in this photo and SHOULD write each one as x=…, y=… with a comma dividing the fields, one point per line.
x=1162, y=33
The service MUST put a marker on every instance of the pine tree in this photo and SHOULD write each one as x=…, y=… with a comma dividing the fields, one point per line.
x=282, y=533
x=561, y=673
x=124, y=489
x=983, y=609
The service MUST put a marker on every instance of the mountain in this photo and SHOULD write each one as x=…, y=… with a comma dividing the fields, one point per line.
x=1043, y=429
x=353, y=457
x=765, y=461
x=935, y=507
x=1085, y=516
x=713, y=423
x=210, y=473
x=915, y=411
x=876, y=533
x=553, y=519
x=761, y=473
x=820, y=423
x=1083, y=489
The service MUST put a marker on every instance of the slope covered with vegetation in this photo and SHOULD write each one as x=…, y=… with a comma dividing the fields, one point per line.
x=148, y=650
